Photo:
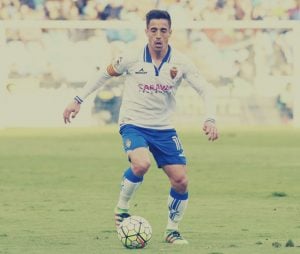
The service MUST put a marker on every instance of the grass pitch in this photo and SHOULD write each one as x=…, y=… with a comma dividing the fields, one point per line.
x=58, y=189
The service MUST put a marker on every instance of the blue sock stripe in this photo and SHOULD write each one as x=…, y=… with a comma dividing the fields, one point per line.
x=175, y=204
x=179, y=196
x=178, y=204
x=172, y=216
x=172, y=204
x=174, y=207
x=132, y=177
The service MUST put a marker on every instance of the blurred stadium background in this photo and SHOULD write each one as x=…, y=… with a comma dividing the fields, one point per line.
x=249, y=50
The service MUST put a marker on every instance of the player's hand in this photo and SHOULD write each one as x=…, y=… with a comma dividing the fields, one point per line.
x=71, y=111
x=210, y=130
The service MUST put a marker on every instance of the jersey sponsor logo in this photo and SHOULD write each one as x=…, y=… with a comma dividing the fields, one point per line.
x=141, y=71
x=155, y=88
x=173, y=72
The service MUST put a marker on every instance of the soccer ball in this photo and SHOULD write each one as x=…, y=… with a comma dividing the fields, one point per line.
x=134, y=232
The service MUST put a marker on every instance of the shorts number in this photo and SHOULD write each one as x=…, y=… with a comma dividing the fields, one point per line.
x=177, y=143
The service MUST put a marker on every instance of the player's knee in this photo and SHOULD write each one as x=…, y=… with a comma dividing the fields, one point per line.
x=180, y=184
x=140, y=167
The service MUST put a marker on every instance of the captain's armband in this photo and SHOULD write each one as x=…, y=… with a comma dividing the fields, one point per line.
x=111, y=71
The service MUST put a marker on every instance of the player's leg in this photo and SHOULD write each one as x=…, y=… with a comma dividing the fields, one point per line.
x=133, y=176
x=138, y=155
x=169, y=155
x=177, y=201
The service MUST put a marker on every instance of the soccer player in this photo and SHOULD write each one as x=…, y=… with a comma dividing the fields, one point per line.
x=153, y=76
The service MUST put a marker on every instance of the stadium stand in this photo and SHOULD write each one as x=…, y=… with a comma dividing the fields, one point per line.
x=130, y=9
x=250, y=67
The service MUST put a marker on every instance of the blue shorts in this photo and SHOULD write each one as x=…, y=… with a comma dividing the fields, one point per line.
x=163, y=144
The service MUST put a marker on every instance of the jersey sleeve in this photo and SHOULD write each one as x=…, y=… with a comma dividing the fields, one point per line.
x=119, y=64
x=117, y=67
x=203, y=87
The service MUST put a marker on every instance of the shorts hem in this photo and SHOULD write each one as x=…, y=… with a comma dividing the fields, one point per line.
x=161, y=165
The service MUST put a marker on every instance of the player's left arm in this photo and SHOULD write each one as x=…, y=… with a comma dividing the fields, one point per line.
x=207, y=92
x=210, y=129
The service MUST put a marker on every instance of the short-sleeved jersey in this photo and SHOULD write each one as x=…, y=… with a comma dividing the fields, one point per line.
x=149, y=92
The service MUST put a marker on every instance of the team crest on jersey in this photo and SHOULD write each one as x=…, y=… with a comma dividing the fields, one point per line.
x=173, y=72
x=127, y=143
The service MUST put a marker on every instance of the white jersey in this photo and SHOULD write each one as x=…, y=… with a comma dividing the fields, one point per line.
x=149, y=92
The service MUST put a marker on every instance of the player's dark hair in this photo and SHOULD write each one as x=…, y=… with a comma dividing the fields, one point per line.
x=158, y=14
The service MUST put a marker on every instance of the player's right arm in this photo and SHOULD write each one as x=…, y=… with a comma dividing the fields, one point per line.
x=116, y=68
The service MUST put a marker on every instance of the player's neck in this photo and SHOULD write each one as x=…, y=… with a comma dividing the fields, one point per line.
x=158, y=56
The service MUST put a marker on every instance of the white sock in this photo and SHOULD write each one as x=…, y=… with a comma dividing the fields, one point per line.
x=129, y=185
x=177, y=203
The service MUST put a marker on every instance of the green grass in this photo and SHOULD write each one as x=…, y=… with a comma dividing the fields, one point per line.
x=58, y=189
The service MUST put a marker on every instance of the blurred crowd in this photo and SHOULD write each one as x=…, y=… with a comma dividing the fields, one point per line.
x=132, y=9
x=240, y=62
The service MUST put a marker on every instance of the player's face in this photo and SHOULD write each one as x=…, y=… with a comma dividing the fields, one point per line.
x=158, y=32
